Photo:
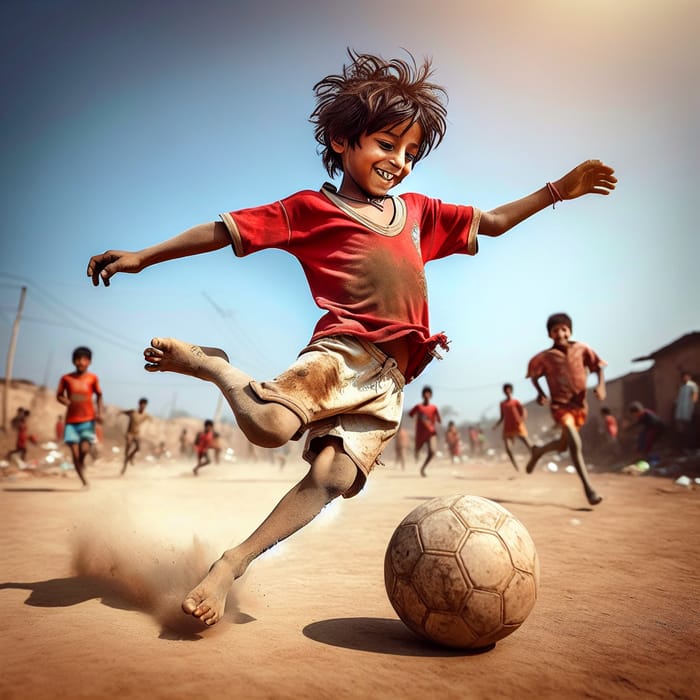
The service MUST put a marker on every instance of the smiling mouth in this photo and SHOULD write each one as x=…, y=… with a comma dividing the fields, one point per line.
x=387, y=177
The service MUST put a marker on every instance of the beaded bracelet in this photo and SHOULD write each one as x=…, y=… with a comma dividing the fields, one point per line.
x=554, y=193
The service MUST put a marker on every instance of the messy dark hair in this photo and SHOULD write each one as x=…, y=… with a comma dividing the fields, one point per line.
x=559, y=319
x=82, y=351
x=372, y=94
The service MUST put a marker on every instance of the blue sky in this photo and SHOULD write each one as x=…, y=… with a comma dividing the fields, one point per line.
x=124, y=123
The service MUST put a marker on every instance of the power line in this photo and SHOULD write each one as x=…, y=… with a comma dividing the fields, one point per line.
x=73, y=316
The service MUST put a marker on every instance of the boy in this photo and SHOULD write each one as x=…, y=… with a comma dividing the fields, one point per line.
x=453, y=440
x=565, y=366
x=426, y=415
x=202, y=444
x=513, y=417
x=21, y=424
x=136, y=418
x=651, y=428
x=401, y=443
x=684, y=411
x=76, y=391
x=363, y=253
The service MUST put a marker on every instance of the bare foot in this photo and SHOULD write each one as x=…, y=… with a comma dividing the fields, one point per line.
x=593, y=498
x=534, y=456
x=207, y=600
x=171, y=355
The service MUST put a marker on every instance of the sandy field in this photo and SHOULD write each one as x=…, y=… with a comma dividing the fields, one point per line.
x=91, y=581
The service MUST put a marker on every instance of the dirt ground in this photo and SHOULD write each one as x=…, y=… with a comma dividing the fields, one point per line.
x=90, y=584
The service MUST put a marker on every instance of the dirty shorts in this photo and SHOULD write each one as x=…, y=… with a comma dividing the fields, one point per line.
x=342, y=387
x=79, y=432
x=562, y=414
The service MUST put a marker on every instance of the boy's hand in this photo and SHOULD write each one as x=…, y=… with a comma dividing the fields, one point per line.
x=542, y=399
x=102, y=267
x=591, y=177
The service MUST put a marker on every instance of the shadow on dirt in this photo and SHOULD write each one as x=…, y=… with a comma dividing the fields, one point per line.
x=379, y=635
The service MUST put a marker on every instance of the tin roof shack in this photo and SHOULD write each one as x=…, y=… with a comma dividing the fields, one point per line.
x=682, y=355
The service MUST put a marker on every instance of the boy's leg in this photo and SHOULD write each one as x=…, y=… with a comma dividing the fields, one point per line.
x=558, y=445
x=576, y=451
x=202, y=461
x=331, y=474
x=432, y=447
x=135, y=447
x=126, y=457
x=264, y=424
x=526, y=441
x=79, y=450
x=508, y=445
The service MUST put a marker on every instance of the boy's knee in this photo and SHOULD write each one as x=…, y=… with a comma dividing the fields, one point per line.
x=335, y=472
x=269, y=425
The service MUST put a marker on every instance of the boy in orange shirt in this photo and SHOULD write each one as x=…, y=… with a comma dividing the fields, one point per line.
x=513, y=417
x=77, y=391
x=427, y=416
x=565, y=366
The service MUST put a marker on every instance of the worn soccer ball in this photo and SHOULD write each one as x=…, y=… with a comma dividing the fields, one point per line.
x=462, y=571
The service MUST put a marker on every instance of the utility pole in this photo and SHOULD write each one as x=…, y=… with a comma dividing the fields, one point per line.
x=11, y=359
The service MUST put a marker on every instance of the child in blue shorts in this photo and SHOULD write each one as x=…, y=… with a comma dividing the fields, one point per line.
x=80, y=391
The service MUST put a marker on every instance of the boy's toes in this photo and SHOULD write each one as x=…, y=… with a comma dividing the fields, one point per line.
x=189, y=605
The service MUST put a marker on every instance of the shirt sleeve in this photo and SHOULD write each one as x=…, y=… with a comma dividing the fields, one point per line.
x=447, y=229
x=257, y=228
x=535, y=367
x=592, y=360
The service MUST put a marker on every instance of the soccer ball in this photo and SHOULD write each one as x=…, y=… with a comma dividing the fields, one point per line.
x=461, y=571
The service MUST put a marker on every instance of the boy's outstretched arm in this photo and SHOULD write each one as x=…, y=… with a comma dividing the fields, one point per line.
x=600, y=391
x=199, y=239
x=591, y=177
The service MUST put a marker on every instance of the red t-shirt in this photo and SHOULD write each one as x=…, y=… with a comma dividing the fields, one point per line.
x=512, y=413
x=80, y=389
x=426, y=418
x=566, y=373
x=369, y=279
x=611, y=425
x=205, y=440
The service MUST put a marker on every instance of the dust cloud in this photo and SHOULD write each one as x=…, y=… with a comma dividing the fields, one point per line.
x=137, y=558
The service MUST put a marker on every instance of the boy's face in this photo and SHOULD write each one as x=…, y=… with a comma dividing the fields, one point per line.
x=81, y=363
x=560, y=334
x=381, y=160
x=508, y=391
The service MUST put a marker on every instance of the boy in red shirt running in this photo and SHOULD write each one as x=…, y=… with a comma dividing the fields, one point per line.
x=363, y=252
x=21, y=424
x=203, y=443
x=427, y=416
x=565, y=366
x=513, y=417
x=76, y=391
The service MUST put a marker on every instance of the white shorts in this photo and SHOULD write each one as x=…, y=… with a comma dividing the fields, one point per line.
x=342, y=387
